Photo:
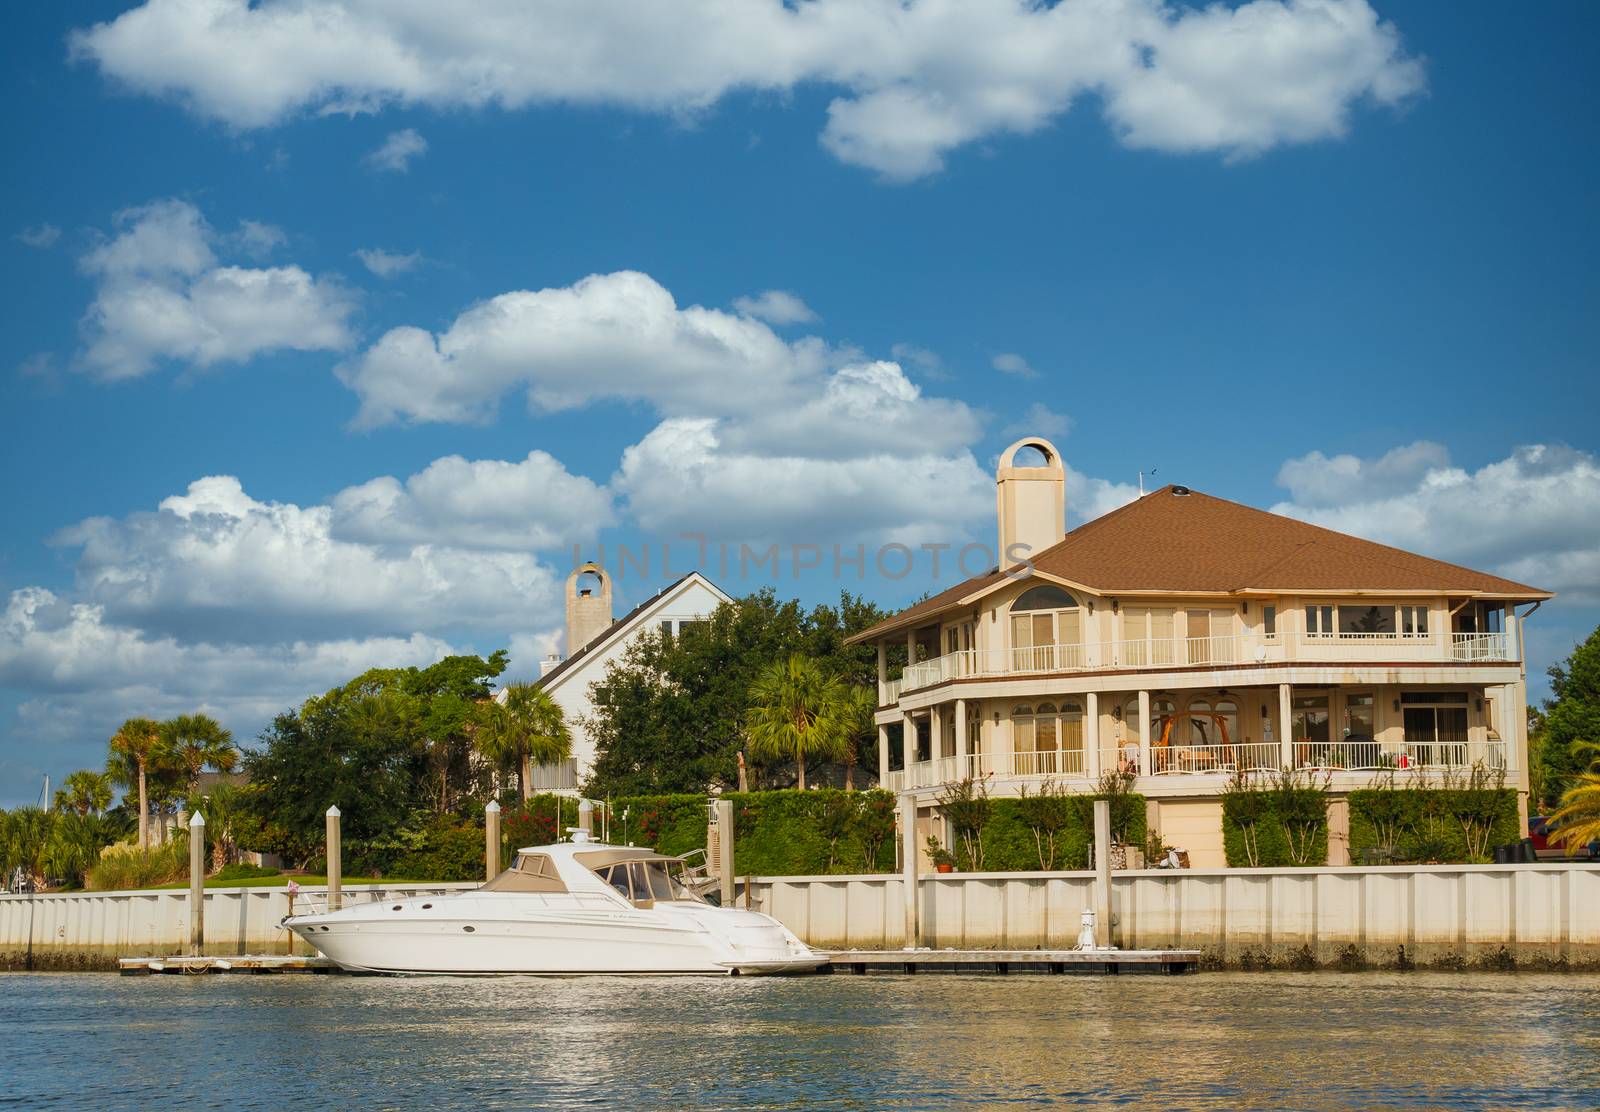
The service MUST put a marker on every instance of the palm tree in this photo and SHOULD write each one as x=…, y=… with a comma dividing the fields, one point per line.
x=85, y=792
x=796, y=711
x=133, y=747
x=192, y=742
x=1577, y=822
x=222, y=806
x=28, y=835
x=858, y=714
x=524, y=725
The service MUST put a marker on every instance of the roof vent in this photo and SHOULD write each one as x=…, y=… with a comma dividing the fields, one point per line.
x=1181, y=492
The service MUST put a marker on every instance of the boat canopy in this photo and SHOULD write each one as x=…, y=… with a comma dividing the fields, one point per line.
x=530, y=872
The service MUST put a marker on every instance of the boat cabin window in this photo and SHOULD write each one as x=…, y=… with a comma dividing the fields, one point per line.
x=647, y=881
x=530, y=872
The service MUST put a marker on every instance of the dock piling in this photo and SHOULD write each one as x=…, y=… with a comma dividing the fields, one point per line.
x=908, y=867
x=1102, y=873
x=724, y=813
x=197, y=882
x=335, y=866
x=491, y=840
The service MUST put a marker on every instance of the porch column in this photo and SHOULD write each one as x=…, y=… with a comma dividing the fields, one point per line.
x=911, y=647
x=1145, y=767
x=883, y=667
x=962, y=771
x=1285, y=742
x=935, y=732
x=1091, y=733
x=908, y=743
x=883, y=754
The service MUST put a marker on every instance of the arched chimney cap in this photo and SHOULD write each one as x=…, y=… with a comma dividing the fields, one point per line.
x=1052, y=457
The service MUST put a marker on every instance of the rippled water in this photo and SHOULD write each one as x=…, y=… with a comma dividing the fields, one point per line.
x=1202, y=1041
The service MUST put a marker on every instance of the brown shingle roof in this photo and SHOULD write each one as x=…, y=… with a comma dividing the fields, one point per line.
x=1192, y=543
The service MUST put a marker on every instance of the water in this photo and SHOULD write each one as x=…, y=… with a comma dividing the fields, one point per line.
x=878, y=1042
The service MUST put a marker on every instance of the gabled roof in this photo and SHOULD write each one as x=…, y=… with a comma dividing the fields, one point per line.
x=1177, y=541
x=623, y=625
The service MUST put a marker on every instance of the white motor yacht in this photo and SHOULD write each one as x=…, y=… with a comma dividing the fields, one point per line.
x=571, y=908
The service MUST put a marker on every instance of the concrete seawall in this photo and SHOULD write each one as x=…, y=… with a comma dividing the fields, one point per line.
x=90, y=930
x=1441, y=916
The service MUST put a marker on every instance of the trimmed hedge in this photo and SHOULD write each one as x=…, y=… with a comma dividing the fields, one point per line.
x=1425, y=824
x=776, y=833
x=1269, y=815
x=1009, y=844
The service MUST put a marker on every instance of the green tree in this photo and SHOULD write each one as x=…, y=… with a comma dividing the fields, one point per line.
x=224, y=807
x=670, y=715
x=525, y=726
x=1577, y=820
x=858, y=718
x=134, y=747
x=27, y=836
x=191, y=743
x=1571, y=716
x=73, y=844
x=797, y=710
x=85, y=792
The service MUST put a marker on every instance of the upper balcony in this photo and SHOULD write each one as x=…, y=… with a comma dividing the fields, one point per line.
x=1163, y=654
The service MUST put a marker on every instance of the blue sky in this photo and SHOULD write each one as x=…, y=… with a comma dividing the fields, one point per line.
x=1310, y=257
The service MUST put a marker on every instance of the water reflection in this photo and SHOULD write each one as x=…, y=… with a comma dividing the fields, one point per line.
x=1208, y=1041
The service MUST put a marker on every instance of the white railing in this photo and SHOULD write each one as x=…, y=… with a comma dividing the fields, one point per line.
x=1478, y=646
x=1191, y=760
x=1374, y=756
x=1180, y=652
x=889, y=692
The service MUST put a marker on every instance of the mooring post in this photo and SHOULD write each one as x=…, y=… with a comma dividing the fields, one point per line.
x=335, y=866
x=908, y=867
x=724, y=812
x=491, y=840
x=586, y=819
x=197, y=883
x=1102, y=872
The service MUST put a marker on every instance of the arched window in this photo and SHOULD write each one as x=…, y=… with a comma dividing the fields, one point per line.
x=1045, y=630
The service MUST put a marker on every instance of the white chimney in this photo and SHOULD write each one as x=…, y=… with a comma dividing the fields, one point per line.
x=1030, y=502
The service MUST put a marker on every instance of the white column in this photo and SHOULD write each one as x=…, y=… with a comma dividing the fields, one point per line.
x=883, y=754
x=935, y=733
x=1145, y=767
x=1285, y=742
x=883, y=667
x=908, y=866
x=961, y=739
x=908, y=742
x=1091, y=733
x=1102, y=873
x=334, y=854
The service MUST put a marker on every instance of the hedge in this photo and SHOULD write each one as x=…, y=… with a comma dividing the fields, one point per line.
x=776, y=833
x=1010, y=845
x=1426, y=824
x=1274, y=817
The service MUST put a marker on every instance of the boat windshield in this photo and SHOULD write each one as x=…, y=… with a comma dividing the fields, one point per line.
x=652, y=880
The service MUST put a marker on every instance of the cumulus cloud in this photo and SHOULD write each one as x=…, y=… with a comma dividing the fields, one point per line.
x=778, y=307
x=914, y=80
x=397, y=151
x=39, y=235
x=215, y=564
x=163, y=294
x=1533, y=517
x=528, y=504
x=1040, y=420
x=618, y=336
x=1089, y=497
x=386, y=264
x=1009, y=362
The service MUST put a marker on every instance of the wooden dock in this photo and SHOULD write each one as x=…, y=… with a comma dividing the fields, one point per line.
x=242, y=963
x=1012, y=961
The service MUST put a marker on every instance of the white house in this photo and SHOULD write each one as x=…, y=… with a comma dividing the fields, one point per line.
x=594, y=640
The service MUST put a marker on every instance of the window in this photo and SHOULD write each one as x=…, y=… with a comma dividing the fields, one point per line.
x=1147, y=636
x=1319, y=621
x=1359, y=620
x=1414, y=621
x=1269, y=621
x=666, y=630
x=1210, y=636
x=1044, y=597
x=1047, y=740
x=1309, y=717
x=1435, y=727
x=686, y=629
x=1358, y=716
x=1045, y=630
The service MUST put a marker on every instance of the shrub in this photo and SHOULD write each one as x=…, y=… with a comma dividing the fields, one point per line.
x=123, y=865
x=1453, y=822
x=1275, y=822
x=965, y=804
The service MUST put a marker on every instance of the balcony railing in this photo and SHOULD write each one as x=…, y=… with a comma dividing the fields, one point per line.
x=1180, y=652
x=1250, y=757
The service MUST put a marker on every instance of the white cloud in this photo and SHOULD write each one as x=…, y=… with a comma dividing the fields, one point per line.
x=914, y=80
x=927, y=363
x=215, y=564
x=162, y=294
x=532, y=504
x=618, y=336
x=683, y=477
x=778, y=307
x=257, y=239
x=1533, y=517
x=398, y=150
x=1089, y=498
x=386, y=264
x=40, y=236
x=1009, y=362
x=1318, y=480
x=1040, y=420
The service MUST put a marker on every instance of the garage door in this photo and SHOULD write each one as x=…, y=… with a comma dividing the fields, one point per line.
x=1197, y=828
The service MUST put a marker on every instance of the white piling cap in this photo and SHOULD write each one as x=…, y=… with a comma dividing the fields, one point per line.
x=494, y=805
x=197, y=819
x=333, y=812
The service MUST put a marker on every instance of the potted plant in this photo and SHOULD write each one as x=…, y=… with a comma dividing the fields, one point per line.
x=943, y=860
